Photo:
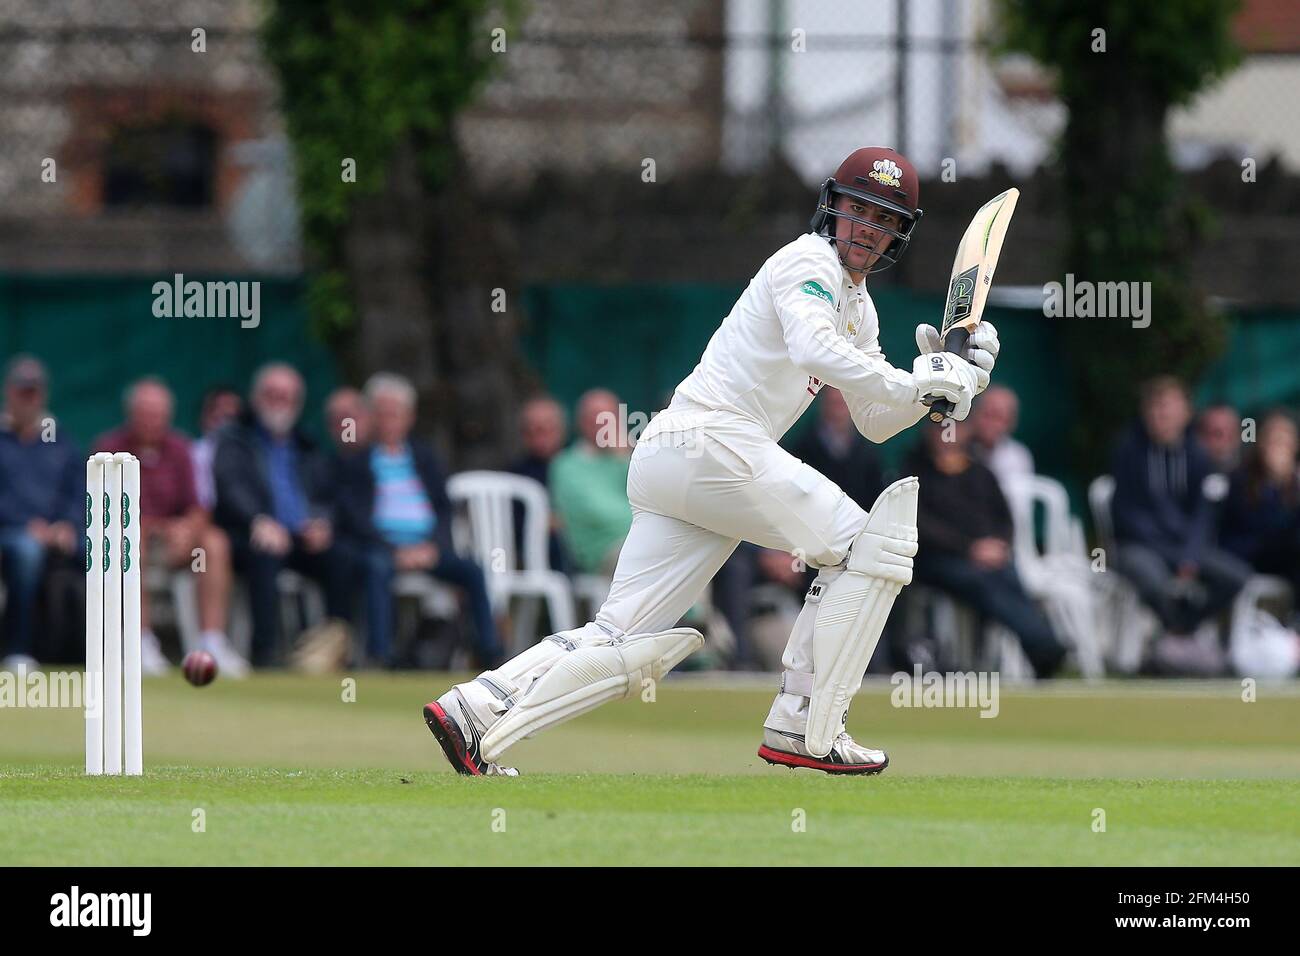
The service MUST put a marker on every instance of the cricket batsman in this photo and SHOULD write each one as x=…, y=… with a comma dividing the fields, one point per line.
x=708, y=473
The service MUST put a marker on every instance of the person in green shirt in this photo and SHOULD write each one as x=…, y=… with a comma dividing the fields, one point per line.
x=588, y=484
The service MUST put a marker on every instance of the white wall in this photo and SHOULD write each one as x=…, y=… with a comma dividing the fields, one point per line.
x=1254, y=112
x=839, y=94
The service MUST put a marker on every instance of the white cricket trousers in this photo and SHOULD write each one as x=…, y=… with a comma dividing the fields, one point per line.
x=695, y=495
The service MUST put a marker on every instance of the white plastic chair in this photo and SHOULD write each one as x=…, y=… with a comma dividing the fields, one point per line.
x=590, y=591
x=1003, y=653
x=1258, y=589
x=301, y=605
x=489, y=497
x=1100, y=492
x=1130, y=623
x=1058, y=574
x=435, y=600
x=302, y=602
x=429, y=599
x=952, y=625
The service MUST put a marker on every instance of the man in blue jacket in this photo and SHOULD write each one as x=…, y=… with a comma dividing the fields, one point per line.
x=275, y=499
x=1167, y=494
x=42, y=503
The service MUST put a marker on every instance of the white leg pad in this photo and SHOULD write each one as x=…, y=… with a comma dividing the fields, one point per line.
x=854, y=609
x=586, y=677
x=492, y=693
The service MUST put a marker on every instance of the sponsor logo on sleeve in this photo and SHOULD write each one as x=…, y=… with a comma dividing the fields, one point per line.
x=812, y=287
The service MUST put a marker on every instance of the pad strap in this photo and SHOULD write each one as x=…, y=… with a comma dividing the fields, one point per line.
x=796, y=682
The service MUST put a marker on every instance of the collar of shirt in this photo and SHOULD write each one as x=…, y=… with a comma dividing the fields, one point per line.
x=379, y=451
x=850, y=312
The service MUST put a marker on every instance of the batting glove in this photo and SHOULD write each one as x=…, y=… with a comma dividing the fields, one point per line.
x=944, y=375
x=981, y=348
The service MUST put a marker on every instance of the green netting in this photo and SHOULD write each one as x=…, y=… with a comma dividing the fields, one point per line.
x=1259, y=368
x=640, y=341
x=96, y=334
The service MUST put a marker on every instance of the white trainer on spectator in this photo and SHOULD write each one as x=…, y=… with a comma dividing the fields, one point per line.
x=16, y=662
x=153, y=663
x=229, y=661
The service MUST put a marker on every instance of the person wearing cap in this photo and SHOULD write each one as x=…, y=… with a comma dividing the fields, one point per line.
x=42, y=516
x=708, y=473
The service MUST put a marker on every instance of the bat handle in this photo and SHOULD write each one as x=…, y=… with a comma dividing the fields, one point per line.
x=954, y=342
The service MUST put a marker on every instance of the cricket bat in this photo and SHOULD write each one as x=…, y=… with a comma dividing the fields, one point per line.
x=972, y=275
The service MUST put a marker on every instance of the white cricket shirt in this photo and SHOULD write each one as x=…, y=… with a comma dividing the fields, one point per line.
x=801, y=323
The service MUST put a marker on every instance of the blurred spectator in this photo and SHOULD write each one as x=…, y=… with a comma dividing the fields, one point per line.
x=993, y=419
x=778, y=567
x=834, y=447
x=221, y=405
x=395, y=513
x=1219, y=431
x=543, y=431
x=965, y=533
x=733, y=593
x=347, y=420
x=173, y=521
x=42, y=503
x=1164, y=513
x=589, y=485
x=1261, y=520
x=777, y=585
x=275, y=499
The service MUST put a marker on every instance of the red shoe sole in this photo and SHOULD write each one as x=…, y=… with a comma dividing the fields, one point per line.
x=783, y=759
x=450, y=739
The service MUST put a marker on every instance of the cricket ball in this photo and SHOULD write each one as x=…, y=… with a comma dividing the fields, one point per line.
x=199, y=668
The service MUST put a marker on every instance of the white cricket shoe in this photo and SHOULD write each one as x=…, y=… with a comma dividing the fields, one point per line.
x=16, y=662
x=230, y=662
x=153, y=663
x=787, y=749
x=459, y=732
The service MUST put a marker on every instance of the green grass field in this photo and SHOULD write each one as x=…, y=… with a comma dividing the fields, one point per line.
x=285, y=772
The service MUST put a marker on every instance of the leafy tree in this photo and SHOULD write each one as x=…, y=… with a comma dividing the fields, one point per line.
x=1128, y=217
x=375, y=88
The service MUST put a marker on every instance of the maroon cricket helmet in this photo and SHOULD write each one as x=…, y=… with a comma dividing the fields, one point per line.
x=881, y=177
